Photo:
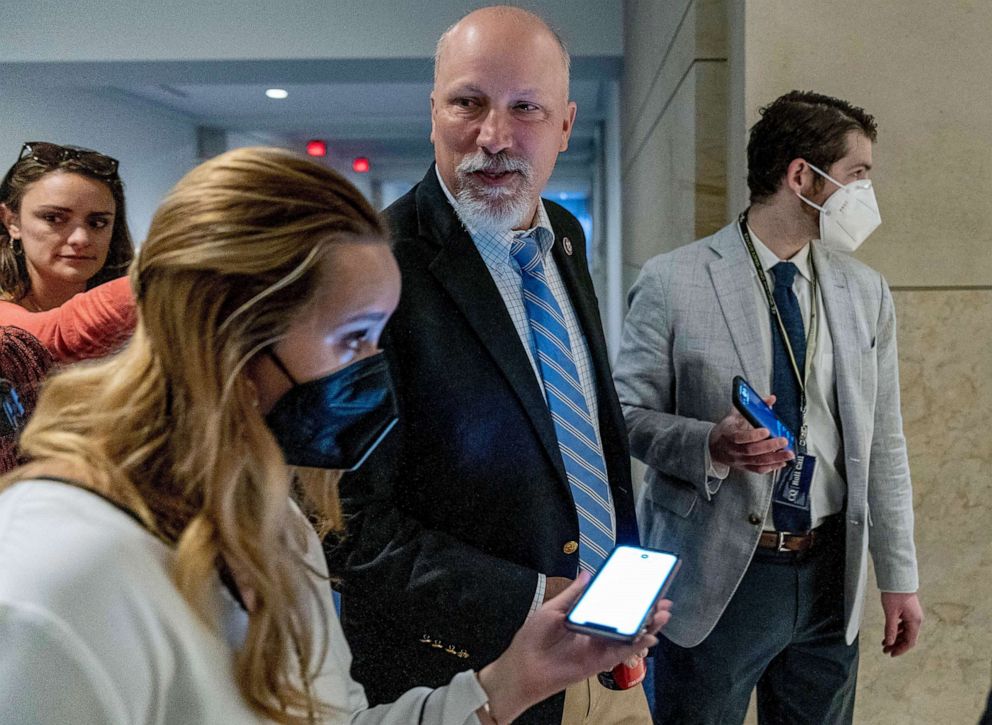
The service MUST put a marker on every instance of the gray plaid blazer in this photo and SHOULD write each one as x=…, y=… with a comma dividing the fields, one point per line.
x=693, y=325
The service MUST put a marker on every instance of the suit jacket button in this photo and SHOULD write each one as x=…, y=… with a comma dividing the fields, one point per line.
x=570, y=547
x=754, y=519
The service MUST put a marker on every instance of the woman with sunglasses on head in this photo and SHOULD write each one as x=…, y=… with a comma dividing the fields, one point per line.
x=63, y=231
x=153, y=568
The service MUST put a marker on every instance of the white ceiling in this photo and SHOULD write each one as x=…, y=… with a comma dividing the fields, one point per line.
x=388, y=121
x=358, y=72
x=402, y=106
x=374, y=107
x=385, y=118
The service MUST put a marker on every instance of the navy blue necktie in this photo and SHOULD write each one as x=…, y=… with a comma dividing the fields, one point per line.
x=784, y=383
x=580, y=450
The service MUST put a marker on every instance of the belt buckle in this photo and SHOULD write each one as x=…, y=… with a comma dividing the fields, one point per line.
x=780, y=544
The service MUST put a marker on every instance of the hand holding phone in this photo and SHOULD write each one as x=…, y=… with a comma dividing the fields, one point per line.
x=622, y=595
x=546, y=655
x=758, y=413
x=736, y=442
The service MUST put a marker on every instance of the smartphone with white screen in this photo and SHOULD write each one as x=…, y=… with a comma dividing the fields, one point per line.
x=620, y=597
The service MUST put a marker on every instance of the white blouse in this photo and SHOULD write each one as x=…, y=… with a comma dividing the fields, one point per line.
x=93, y=631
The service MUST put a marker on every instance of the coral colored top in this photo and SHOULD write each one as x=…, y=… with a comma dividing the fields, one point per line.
x=91, y=324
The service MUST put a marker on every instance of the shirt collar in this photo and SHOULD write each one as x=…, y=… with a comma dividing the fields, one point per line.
x=495, y=246
x=769, y=259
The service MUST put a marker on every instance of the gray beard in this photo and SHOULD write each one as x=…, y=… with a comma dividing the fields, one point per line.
x=498, y=213
x=493, y=209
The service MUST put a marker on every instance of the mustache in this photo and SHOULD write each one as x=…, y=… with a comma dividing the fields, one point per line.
x=499, y=163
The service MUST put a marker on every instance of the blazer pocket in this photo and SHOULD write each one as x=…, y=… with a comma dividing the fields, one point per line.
x=869, y=372
x=672, y=495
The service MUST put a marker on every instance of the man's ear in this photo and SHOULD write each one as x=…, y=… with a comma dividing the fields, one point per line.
x=11, y=221
x=567, y=125
x=799, y=177
x=433, y=111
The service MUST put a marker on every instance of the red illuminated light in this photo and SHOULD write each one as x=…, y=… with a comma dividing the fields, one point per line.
x=360, y=165
x=317, y=148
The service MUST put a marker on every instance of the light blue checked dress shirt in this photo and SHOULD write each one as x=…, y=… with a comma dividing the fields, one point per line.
x=495, y=252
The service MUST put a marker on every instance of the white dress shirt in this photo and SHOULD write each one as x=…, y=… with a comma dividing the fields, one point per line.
x=828, y=487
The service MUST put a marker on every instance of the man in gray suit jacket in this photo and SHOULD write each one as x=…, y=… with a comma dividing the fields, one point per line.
x=774, y=537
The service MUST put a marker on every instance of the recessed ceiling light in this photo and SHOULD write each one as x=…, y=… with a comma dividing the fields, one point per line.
x=277, y=93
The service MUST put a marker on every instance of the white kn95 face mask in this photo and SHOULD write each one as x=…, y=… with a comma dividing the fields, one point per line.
x=848, y=215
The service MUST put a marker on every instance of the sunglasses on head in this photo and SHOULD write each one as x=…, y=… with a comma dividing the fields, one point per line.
x=51, y=154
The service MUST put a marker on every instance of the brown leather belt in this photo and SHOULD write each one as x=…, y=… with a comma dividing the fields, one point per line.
x=781, y=541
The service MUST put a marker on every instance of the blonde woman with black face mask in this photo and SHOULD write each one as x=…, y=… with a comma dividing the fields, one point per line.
x=153, y=568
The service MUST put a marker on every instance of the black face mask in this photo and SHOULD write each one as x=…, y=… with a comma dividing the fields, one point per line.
x=335, y=421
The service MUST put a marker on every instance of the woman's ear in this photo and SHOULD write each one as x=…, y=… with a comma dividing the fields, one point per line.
x=11, y=221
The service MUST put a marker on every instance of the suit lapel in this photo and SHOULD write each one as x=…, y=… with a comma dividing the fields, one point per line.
x=733, y=278
x=460, y=270
x=841, y=313
x=573, y=272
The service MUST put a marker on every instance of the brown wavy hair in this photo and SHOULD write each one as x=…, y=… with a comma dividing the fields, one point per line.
x=800, y=124
x=170, y=427
x=15, y=282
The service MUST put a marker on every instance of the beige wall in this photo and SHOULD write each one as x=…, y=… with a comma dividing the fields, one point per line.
x=923, y=69
x=674, y=101
x=944, y=374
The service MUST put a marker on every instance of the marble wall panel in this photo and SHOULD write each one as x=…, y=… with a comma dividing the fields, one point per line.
x=659, y=187
x=664, y=41
x=945, y=356
x=711, y=147
x=650, y=29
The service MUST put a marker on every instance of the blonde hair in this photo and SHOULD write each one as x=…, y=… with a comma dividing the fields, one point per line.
x=170, y=426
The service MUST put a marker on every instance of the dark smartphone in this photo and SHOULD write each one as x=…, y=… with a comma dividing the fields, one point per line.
x=620, y=597
x=758, y=413
x=11, y=411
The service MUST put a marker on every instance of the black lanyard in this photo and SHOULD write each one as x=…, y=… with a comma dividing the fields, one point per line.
x=801, y=376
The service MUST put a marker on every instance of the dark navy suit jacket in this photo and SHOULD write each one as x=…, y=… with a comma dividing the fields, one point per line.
x=453, y=517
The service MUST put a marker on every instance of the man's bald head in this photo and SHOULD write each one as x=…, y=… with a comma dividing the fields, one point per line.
x=500, y=114
x=518, y=19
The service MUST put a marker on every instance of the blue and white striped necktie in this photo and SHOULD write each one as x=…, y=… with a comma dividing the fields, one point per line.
x=577, y=440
